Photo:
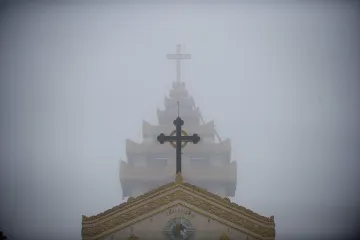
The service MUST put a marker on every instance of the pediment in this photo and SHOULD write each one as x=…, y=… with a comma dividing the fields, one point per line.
x=178, y=194
x=160, y=225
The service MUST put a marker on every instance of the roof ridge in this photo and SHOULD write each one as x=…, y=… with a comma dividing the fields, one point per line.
x=227, y=200
x=130, y=201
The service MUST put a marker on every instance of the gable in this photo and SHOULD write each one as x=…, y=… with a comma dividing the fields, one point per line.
x=198, y=200
x=161, y=225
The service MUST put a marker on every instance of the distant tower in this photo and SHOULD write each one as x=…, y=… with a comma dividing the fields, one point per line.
x=150, y=164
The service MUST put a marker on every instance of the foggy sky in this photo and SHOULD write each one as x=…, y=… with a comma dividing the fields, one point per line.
x=280, y=80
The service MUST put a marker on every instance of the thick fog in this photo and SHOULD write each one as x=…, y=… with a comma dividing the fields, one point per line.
x=281, y=80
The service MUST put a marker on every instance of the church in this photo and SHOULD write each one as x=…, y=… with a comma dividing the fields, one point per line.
x=182, y=196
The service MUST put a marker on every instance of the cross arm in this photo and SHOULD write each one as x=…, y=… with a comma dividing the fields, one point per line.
x=194, y=138
x=162, y=138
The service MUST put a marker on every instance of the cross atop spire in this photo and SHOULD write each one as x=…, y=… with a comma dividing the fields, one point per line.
x=178, y=57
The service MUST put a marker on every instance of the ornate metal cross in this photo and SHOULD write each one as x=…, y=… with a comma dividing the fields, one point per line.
x=181, y=138
x=178, y=57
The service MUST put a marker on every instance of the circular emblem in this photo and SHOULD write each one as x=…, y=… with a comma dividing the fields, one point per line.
x=183, y=133
x=179, y=229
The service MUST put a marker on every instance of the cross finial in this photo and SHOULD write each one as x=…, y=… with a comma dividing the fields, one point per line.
x=178, y=57
x=179, y=140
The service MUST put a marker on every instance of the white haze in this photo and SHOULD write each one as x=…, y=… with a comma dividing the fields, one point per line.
x=280, y=80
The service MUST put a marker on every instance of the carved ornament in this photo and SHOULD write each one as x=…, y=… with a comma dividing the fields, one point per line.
x=197, y=190
x=227, y=215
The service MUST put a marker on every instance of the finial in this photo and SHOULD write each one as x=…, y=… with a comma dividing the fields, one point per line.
x=178, y=56
x=178, y=178
x=226, y=199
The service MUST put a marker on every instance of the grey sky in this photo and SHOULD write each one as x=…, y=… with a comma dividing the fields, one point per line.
x=280, y=80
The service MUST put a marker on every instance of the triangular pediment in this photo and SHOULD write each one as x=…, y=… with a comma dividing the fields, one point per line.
x=178, y=193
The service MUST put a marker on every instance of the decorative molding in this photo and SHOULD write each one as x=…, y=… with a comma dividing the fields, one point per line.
x=192, y=188
x=227, y=215
x=128, y=204
x=227, y=203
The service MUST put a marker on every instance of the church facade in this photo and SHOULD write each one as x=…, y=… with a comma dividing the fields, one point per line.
x=194, y=205
x=178, y=211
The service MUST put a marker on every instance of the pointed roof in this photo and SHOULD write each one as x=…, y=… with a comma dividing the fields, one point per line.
x=196, y=198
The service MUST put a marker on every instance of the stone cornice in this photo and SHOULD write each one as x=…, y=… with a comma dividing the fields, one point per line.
x=221, y=207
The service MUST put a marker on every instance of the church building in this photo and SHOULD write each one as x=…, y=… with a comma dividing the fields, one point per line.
x=182, y=196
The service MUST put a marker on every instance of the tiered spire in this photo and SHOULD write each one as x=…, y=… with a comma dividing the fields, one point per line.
x=179, y=93
x=150, y=164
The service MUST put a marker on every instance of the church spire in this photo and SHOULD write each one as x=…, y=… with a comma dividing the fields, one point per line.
x=178, y=57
